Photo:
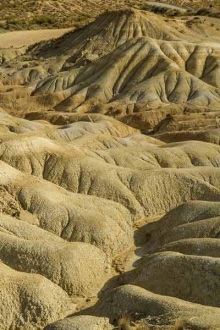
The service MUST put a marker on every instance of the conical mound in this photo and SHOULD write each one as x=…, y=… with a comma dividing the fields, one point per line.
x=109, y=31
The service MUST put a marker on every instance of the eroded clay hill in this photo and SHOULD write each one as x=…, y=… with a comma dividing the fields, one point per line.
x=110, y=177
x=147, y=70
x=78, y=198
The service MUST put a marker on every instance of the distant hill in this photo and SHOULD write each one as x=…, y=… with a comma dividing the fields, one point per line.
x=28, y=14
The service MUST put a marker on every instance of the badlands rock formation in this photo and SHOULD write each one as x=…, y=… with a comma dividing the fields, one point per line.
x=71, y=196
x=127, y=64
x=109, y=177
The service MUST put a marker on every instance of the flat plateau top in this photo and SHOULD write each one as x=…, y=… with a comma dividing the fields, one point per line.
x=19, y=39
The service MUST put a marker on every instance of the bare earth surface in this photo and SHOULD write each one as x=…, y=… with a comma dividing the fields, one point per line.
x=110, y=169
x=21, y=39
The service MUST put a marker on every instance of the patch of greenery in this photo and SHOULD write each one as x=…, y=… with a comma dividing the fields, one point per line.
x=44, y=20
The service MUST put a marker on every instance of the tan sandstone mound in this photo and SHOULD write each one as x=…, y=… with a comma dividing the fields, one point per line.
x=112, y=27
x=83, y=170
x=68, y=262
x=88, y=182
x=166, y=310
x=48, y=301
x=74, y=218
x=191, y=278
x=82, y=323
x=195, y=246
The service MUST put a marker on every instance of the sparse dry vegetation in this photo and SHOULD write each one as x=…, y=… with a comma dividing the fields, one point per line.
x=28, y=14
x=21, y=106
x=125, y=322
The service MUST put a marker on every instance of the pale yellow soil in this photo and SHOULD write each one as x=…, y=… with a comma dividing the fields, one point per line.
x=19, y=39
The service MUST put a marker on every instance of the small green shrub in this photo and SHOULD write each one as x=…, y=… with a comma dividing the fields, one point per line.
x=44, y=20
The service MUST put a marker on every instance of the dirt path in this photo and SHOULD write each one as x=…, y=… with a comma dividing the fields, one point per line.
x=166, y=5
x=18, y=39
x=131, y=258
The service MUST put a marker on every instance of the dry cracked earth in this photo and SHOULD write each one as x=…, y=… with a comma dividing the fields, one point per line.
x=110, y=176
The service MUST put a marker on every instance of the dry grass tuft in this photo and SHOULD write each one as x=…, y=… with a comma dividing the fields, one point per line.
x=28, y=14
x=19, y=107
x=125, y=323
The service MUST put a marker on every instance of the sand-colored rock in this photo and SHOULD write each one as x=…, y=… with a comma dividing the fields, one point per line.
x=33, y=250
x=194, y=219
x=133, y=299
x=195, y=246
x=82, y=323
x=30, y=301
x=191, y=278
x=73, y=217
x=129, y=180
x=154, y=66
x=144, y=178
